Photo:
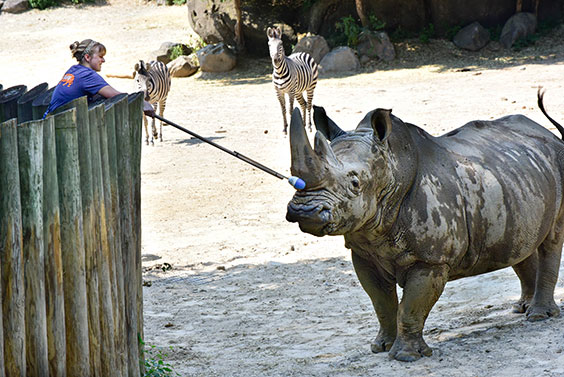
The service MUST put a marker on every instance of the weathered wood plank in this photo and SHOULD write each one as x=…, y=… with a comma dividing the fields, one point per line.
x=89, y=224
x=107, y=356
x=115, y=227
x=11, y=252
x=128, y=243
x=9, y=101
x=54, y=294
x=25, y=108
x=73, y=253
x=30, y=158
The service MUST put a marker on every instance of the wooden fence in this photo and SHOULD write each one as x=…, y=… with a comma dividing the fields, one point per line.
x=70, y=236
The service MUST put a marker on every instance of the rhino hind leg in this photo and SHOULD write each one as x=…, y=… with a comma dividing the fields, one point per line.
x=542, y=305
x=527, y=273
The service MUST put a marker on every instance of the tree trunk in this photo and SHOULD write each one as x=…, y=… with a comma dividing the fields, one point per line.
x=361, y=14
x=239, y=26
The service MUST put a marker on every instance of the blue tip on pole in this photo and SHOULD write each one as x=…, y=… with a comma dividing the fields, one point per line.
x=297, y=183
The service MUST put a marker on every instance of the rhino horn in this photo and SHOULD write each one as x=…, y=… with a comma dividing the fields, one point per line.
x=306, y=164
x=325, y=125
x=324, y=150
x=380, y=121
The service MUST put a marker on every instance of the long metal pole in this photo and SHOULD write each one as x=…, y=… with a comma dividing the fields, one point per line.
x=296, y=182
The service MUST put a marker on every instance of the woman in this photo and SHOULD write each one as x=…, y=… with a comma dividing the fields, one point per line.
x=83, y=80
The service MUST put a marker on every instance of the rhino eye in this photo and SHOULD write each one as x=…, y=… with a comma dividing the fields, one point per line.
x=355, y=183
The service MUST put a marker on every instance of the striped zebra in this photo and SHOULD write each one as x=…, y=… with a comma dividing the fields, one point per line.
x=292, y=75
x=153, y=79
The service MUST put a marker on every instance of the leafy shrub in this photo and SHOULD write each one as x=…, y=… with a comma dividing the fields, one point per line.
x=42, y=4
x=155, y=365
x=175, y=52
x=427, y=33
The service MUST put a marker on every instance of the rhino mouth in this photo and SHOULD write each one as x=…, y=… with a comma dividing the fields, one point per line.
x=315, y=219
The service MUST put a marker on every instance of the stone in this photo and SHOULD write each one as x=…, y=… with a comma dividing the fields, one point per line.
x=518, y=26
x=183, y=66
x=340, y=59
x=315, y=45
x=376, y=45
x=15, y=6
x=163, y=53
x=216, y=58
x=472, y=37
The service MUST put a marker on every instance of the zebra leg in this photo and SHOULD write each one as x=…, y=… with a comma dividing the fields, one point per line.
x=162, y=106
x=282, y=100
x=303, y=106
x=309, y=105
x=145, y=122
x=153, y=127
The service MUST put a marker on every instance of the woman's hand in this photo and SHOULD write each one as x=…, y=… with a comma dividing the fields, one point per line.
x=148, y=109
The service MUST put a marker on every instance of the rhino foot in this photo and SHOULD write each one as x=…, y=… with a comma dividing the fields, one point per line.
x=541, y=312
x=409, y=350
x=382, y=343
x=522, y=305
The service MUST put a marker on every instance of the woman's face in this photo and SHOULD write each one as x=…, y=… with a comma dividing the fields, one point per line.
x=95, y=60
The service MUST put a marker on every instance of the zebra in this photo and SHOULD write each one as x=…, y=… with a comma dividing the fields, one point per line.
x=153, y=79
x=292, y=75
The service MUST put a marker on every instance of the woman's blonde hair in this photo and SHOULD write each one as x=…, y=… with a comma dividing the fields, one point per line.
x=87, y=46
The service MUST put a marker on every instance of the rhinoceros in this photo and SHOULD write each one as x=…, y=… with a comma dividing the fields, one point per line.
x=419, y=211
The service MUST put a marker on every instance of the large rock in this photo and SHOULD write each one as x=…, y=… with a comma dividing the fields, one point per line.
x=216, y=58
x=15, y=6
x=184, y=66
x=518, y=26
x=213, y=20
x=315, y=45
x=340, y=59
x=163, y=53
x=376, y=45
x=472, y=37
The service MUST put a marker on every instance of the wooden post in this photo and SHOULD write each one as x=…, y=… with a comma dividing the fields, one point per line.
x=30, y=157
x=41, y=103
x=25, y=110
x=107, y=356
x=128, y=242
x=9, y=101
x=2, y=368
x=89, y=223
x=11, y=253
x=136, y=125
x=74, y=275
x=115, y=229
x=54, y=295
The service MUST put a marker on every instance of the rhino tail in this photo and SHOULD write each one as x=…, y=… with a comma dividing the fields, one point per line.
x=540, y=95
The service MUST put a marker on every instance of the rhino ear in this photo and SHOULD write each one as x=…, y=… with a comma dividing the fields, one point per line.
x=381, y=124
x=325, y=125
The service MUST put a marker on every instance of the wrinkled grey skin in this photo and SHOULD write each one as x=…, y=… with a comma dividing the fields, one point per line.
x=418, y=211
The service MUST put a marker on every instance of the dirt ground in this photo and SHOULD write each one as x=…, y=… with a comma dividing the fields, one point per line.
x=248, y=294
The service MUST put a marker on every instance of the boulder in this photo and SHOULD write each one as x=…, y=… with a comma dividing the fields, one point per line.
x=15, y=6
x=518, y=26
x=216, y=58
x=213, y=20
x=376, y=45
x=472, y=37
x=340, y=59
x=315, y=45
x=163, y=53
x=183, y=66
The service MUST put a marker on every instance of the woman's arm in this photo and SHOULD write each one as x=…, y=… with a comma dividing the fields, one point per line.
x=108, y=92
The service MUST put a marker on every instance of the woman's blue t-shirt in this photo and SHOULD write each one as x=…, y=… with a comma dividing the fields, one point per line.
x=78, y=81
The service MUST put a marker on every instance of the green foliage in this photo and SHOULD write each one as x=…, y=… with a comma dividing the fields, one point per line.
x=175, y=52
x=349, y=30
x=450, y=33
x=178, y=2
x=43, y=4
x=427, y=33
x=155, y=365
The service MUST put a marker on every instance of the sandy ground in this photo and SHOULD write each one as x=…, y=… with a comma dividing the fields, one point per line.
x=248, y=293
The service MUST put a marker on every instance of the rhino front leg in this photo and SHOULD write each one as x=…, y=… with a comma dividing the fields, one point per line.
x=384, y=298
x=527, y=273
x=423, y=287
x=543, y=305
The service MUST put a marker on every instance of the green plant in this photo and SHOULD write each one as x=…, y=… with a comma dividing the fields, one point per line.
x=42, y=4
x=451, y=33
x=154, y=364
x=375, y=24
x=350, y=29
x=176, y=51
x=427, y=33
